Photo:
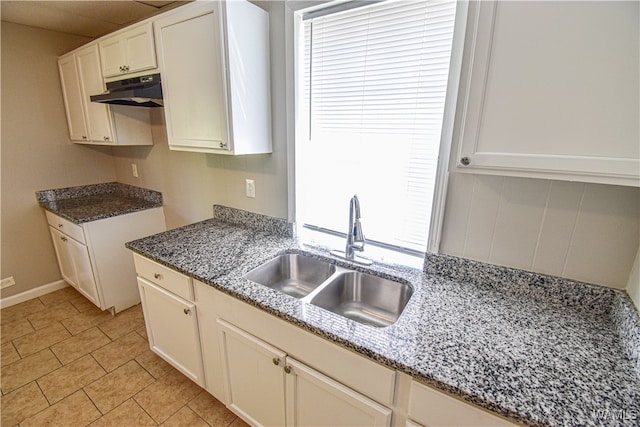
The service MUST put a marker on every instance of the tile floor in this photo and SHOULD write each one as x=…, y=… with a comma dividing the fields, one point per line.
x=65, y=362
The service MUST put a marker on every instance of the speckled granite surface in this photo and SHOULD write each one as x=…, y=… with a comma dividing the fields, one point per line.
x=98, y=201
x=522, y=350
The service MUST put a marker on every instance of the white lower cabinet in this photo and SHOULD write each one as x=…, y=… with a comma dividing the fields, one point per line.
x=314, y=399
x=254, y=377
x=433, y=408
x=171, y=317
x=172, y=328
x=272, y=373
x=260, y=378
x=75, y=264
x=92, y=257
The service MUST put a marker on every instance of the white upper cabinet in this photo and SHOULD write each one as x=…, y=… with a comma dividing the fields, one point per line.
x=98, y=116
x=80, y=77
x=91, y=122
x=128, y=52
x=214, y=61
x=72, y=97
x=551, y=90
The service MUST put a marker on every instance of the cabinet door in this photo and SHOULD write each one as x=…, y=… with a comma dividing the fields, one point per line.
x=113, y=56
x=254, y=377
x=83, y=271
x=316, y=400
x=64, y=257
x=172, y=327
x=72, y=96
x=98, y=115
x=191, y=62
x=139, y=49
x=207, y=298
x=557, y=104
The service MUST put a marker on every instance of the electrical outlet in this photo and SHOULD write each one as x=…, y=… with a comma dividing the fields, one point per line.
x=134, y=170
x=250, y=189
x=5, y=283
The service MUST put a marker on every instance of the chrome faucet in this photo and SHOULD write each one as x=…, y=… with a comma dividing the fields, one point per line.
x=355, y=236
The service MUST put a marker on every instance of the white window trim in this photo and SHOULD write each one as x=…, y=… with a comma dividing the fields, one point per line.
x=293, y=25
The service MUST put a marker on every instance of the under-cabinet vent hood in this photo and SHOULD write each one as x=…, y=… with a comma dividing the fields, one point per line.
x=144, y=91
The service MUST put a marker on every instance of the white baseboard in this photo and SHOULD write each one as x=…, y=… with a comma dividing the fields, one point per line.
x=32, y=293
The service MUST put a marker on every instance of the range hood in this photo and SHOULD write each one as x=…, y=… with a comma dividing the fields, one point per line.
x=144, y=91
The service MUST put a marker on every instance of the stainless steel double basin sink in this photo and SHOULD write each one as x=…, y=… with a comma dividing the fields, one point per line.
x=362, y=297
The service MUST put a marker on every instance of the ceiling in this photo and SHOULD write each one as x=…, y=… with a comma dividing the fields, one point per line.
x=84, y=18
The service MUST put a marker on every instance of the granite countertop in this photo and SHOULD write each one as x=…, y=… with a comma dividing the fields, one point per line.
x=537, y=349
x=98, y=201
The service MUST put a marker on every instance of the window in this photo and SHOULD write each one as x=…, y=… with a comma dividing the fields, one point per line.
x=373, y=81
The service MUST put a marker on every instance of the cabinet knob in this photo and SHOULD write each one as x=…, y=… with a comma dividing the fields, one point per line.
x=187, y=311
x=64, y=239
x=106, y=138
x=276, y=361
x=60, y=225
x=287, y=369
x=157, y=276
x=465, y=161
x=84, y=137
x=223, y=145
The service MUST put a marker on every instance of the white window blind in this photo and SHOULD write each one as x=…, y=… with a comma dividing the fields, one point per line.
x=374, y=83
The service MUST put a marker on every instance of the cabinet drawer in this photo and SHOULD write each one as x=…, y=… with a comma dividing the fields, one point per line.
x=65, y=226
x=164, y=277
x=433, y=408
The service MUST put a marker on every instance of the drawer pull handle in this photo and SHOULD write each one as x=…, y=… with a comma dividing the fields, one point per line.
x=287, y=369
x=158, y=276
x=60, y=225
x=276, y=361
x=64, y=239
x=187, y=311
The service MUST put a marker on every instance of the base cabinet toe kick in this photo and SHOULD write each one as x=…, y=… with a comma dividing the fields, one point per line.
x=271, y=372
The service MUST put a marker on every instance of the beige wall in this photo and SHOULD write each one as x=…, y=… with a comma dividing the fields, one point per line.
x=36, y=152
x=192, y=182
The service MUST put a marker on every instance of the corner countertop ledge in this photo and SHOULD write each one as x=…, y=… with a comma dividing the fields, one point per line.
x=536, y=349
x=98, y=201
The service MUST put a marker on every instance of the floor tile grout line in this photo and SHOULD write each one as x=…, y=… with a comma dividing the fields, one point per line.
x=45, y=398
x=74, y=391
x=94, y=405
x=102, y=414
x=142, y=407
x=42, y=391
x=82, y=355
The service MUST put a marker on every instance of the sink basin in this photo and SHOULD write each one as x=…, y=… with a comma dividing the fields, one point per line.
x=294, y=274
x=361, y=297
x=367, y=299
